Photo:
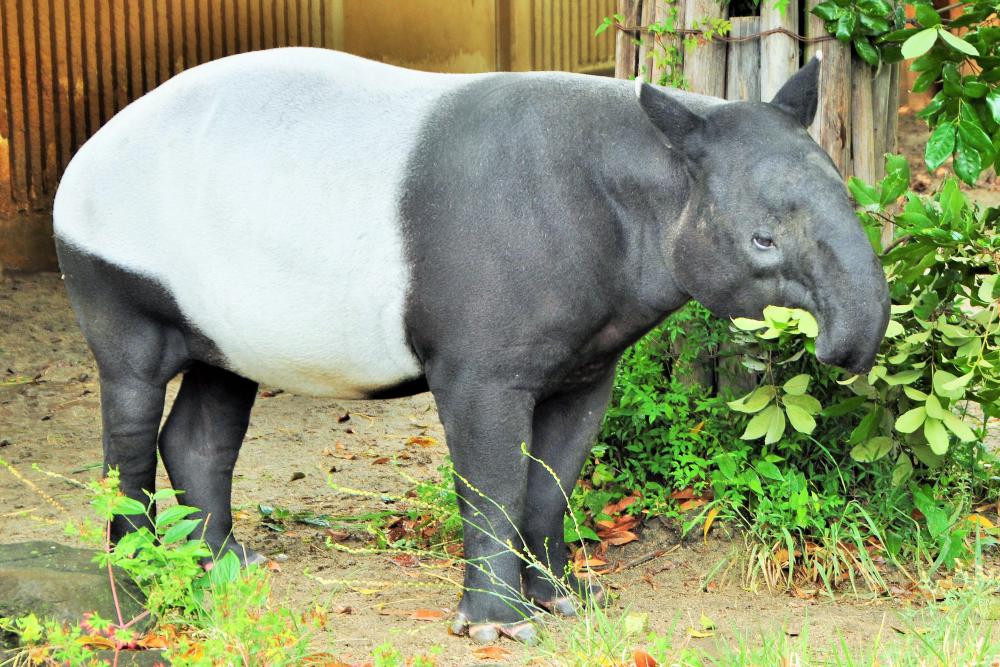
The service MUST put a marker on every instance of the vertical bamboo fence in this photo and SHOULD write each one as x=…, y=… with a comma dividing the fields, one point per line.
x=69, y=65
x=855, y=120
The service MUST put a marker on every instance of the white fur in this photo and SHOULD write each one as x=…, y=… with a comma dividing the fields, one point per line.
x=262, y=191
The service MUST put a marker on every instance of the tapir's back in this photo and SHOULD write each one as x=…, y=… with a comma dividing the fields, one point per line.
x=261, y=191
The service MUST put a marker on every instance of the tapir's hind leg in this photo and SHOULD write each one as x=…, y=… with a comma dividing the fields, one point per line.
x=564, y=430
x=138, y=350
x=199, y=445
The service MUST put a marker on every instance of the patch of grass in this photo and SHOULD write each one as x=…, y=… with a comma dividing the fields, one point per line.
x=221, y=616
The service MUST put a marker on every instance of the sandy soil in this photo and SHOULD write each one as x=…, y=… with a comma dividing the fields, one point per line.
x=51, y=423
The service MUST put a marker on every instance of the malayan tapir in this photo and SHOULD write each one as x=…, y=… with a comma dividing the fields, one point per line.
x=339, y=227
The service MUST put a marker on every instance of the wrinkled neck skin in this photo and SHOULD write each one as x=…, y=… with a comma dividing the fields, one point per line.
x=651, y=196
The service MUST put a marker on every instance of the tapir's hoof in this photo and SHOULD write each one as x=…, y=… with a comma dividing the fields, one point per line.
x=246, y=555
x=524, y=632
x=569, y=605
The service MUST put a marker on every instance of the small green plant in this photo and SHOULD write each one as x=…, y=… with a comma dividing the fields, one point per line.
x=219, y=616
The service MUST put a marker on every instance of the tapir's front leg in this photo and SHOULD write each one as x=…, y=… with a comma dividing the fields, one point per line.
x=565, y=427
x=485, y=425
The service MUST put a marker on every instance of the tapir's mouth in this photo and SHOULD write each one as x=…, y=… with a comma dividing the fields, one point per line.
x=849, y=351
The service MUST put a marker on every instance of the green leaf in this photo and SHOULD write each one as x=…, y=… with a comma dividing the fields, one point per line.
x=927, y=16
x=904, y=377
x=758, y=425
x=807, y=324
x=937, y=518
x=894, y=329
x=993, y=104
x=845, y=407
x=926, y=456
x=902, y=470
x=747, y=324
x=864, y=49
x=920, y=43
x=897, y=179
x=800, y=420
x=865, y=195
x=775, y=426
x=755, y=401
x=224, y=570
x=828, y=11
x=959, y=44
x=180, y=531
x=125, y=506
x=937, y=436
x=173, y=514
x=872, y=449
x=769, y=470
x=846, y=25
x=958, y=427
x=934, y=409
x=805, y=402
x=797, y=385
x=910, y=421
x=940, y=145
x=947, y=385
x=973, y=135
x=968, y=162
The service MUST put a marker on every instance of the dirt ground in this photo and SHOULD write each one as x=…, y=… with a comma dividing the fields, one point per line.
x=53, y=424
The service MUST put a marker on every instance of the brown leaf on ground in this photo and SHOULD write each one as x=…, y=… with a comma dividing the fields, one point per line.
x=343, y=609
x=617, y=508
x=406, y=560
x=643, y=659
x=688, y=505
x=491, y=653
x=620, y=537
x=422, y=440
x=381, y=460
x=337, y=535
x=428, y=614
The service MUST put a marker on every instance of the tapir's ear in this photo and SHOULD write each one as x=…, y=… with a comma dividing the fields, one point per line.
x=680, y=125
x=800, y=94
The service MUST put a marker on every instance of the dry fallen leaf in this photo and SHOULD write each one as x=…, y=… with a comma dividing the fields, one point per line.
x=422, y=440
x=643, y=659
x=428, y=614
x=491, y=653
x=406, y=560
x=688, y=505
x=380, y=460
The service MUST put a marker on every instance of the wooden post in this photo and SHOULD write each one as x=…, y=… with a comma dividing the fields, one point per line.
x=647, y=47
x=779, y=53
x=743, y=65
x=705, y=66
x=661, y=12
x=626, y=51
x=892, y=126
x=863, y=145
x=881, y=81
x=832, y=127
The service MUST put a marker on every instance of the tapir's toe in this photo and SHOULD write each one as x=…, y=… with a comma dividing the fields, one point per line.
x=525, y=631
x=587, y=592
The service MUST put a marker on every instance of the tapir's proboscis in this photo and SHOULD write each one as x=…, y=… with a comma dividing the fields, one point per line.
x=333, y=226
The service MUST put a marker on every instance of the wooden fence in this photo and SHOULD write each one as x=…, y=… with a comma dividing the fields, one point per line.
x=856, y=119
x=67, y=66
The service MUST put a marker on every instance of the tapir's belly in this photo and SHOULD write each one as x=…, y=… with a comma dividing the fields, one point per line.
x=262, y=191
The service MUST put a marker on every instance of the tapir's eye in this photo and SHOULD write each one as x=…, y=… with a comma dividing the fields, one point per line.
x=763, y=242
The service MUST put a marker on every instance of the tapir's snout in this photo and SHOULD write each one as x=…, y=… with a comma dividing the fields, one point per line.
x=855, y=317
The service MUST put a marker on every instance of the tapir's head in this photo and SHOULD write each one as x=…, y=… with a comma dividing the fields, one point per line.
x=769, y=220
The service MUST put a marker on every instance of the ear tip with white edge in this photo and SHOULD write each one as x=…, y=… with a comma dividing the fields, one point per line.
x=638, y=85
x=819, y=56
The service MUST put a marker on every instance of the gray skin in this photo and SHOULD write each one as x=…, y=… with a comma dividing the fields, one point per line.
x=547, y=227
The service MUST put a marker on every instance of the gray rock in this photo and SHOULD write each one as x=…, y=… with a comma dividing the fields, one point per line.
x=62, y=583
